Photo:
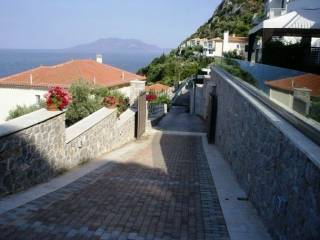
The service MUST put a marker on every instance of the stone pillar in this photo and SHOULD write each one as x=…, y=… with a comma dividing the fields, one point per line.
x=136, y=87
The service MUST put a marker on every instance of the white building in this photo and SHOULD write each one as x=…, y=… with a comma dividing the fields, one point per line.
x=215, y=47
x=290, y=21
x=28, y=88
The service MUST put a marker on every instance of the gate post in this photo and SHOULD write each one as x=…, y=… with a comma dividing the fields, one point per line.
x=136, y=88
x=141, y=116
x=212, y=115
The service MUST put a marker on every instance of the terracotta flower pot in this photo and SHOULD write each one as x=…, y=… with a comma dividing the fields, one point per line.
x=52, y=107
x=111, y=106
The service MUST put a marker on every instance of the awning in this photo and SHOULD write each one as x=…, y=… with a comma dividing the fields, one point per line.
x=299, y=19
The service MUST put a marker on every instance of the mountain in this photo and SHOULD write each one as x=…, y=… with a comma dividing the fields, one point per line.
x=234, y=16
x=117, y=45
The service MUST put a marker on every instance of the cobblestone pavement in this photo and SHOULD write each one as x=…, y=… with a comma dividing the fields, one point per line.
x=178, y=119
x=164, y=191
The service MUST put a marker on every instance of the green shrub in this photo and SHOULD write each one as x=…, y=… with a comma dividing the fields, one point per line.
x=83, y=102
x=162, y=99
x=315, y=111
x=87, y=99
x=233, y=67
x=21, y=110
x=233, y=54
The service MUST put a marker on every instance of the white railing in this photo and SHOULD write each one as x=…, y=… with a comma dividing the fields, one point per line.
x=276, y=12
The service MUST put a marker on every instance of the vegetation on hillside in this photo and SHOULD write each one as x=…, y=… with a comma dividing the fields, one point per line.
x=233, y=67
x=176, y=66
x=234, y=16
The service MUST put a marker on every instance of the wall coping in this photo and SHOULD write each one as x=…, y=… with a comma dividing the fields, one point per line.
x=85, y=124
x=27, y=121
x=125, y=116
x=306, y=145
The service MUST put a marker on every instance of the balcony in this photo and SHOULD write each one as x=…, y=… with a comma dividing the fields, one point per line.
x=275, y=12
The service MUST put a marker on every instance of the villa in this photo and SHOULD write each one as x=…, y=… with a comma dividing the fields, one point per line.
x=215, y=47
x=294, y=21
x=295, y=92
x=29, y=87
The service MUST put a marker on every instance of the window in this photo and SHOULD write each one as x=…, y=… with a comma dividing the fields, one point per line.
x=38, y=99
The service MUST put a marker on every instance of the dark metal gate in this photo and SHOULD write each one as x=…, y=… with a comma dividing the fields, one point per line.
x=212, y=116
x=141, y=115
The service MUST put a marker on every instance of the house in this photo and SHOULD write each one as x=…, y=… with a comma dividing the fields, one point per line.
x=158, y=88
x=215, y=47
x=295, y=92
x=29, y=87
x=293, y=21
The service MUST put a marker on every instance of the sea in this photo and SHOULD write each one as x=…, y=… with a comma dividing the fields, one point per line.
x=15, y=61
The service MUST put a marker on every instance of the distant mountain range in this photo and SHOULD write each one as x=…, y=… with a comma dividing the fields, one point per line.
x=117, y=45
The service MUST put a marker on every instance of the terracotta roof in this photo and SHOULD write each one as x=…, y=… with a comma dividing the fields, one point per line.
x=238, y=39
x=158, y=87
x=217, y=39
x=66, y=73
x=309, y=81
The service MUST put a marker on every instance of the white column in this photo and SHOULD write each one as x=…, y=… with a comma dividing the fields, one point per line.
x=136, y=87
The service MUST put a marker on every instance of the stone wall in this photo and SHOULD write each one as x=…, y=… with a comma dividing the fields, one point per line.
x=276, y=165
x=37, y=146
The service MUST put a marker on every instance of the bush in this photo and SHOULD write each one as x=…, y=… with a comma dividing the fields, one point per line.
x=22, y=110
x=83, y=102
x=233, y=54
x=233, y=67
x=162, y=99
x=315, y=111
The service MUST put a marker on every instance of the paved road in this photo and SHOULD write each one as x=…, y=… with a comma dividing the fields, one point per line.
x=162, y=191
x=178, y=119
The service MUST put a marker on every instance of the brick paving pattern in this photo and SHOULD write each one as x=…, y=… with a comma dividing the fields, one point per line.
x=174, y=197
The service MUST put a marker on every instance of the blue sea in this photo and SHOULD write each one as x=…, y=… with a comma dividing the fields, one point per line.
x=15, y=61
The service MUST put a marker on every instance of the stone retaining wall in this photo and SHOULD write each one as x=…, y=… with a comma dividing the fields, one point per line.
x=37, y=146
x=276, y=165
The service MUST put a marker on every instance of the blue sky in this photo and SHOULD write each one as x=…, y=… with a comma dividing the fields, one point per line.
x=49, y=24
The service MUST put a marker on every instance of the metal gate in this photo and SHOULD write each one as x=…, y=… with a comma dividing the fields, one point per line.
x=141, y=115
x=212, y=116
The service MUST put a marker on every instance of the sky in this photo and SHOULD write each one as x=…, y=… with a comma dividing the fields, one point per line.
x=54, y=24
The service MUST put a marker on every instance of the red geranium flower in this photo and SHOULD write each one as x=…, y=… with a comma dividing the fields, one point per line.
x=151, y=97
x=58, y=96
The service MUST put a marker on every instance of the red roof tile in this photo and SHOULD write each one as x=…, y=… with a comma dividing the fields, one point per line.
x=309, y=81
x=66, y=73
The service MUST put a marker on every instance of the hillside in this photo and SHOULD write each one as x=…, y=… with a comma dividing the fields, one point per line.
x=234, y=16
x=117, y=45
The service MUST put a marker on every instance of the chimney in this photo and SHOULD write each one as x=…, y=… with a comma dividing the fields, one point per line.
x=122, y=76
x=30, y=79
x=99, y=58
x=226, y=41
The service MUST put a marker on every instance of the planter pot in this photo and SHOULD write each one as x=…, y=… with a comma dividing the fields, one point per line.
x=52, y=107
x=111, y=106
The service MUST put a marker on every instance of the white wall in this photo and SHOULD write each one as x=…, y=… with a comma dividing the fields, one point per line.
x=125, y=91
x=284, y=98
x=11, y=97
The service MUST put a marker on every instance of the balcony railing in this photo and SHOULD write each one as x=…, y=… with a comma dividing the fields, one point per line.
x=276, y=12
